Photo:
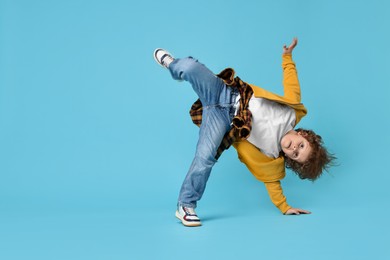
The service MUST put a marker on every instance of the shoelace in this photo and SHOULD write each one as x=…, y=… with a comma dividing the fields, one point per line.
x=189, y=210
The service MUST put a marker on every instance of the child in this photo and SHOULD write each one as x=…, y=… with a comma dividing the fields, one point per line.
x=258, y=123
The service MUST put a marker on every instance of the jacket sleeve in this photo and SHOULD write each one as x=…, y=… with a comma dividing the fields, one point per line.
x=292, y=90
x=267, y=170
x=276, y=195
x=264, y=168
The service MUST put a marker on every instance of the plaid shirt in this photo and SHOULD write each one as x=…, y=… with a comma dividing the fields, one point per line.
x=241, y=123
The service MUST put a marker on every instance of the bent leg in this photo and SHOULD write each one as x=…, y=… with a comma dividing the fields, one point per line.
x=205, y=83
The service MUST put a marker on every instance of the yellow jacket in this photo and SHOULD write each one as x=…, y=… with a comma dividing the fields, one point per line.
x=266, y=169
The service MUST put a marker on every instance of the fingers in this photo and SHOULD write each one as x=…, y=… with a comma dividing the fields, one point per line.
x=293, y=44
x=302, y=211
x=290, y=48
x=294, y=211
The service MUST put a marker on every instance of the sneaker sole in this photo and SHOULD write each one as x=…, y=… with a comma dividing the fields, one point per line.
x=155, y=58
x=187, y=223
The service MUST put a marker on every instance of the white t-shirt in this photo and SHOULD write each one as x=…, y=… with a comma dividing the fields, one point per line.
x=270, y=122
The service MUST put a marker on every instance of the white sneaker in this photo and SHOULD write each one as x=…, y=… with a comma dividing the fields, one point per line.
x=163, y=57
x=188, y=216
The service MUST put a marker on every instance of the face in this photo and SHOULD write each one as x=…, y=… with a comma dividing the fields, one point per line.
x=295, y=146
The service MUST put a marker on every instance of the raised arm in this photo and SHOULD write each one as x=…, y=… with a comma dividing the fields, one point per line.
x=292, y=90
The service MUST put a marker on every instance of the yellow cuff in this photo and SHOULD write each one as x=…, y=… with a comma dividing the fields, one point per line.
x=284, y=207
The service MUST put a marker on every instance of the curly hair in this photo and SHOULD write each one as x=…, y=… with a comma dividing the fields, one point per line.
x=319, y=160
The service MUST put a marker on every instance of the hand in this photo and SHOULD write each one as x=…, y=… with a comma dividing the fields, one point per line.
x=289, y=49
x=294, y=211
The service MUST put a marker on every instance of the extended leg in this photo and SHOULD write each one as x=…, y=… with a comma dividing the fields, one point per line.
x=216, y=122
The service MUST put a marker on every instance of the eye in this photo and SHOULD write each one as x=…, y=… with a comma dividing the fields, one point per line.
x=301, y=145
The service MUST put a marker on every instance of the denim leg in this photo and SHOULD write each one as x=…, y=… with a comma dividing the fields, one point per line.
x=217, y=103
x=210, y=89
x=216, y=122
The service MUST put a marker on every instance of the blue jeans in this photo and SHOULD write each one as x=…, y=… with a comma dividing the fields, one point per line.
x=217, y=100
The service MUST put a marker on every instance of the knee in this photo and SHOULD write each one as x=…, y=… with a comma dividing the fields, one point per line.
x=206, y=159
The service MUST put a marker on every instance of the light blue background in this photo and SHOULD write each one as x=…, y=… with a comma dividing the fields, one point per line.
x=95, y=138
